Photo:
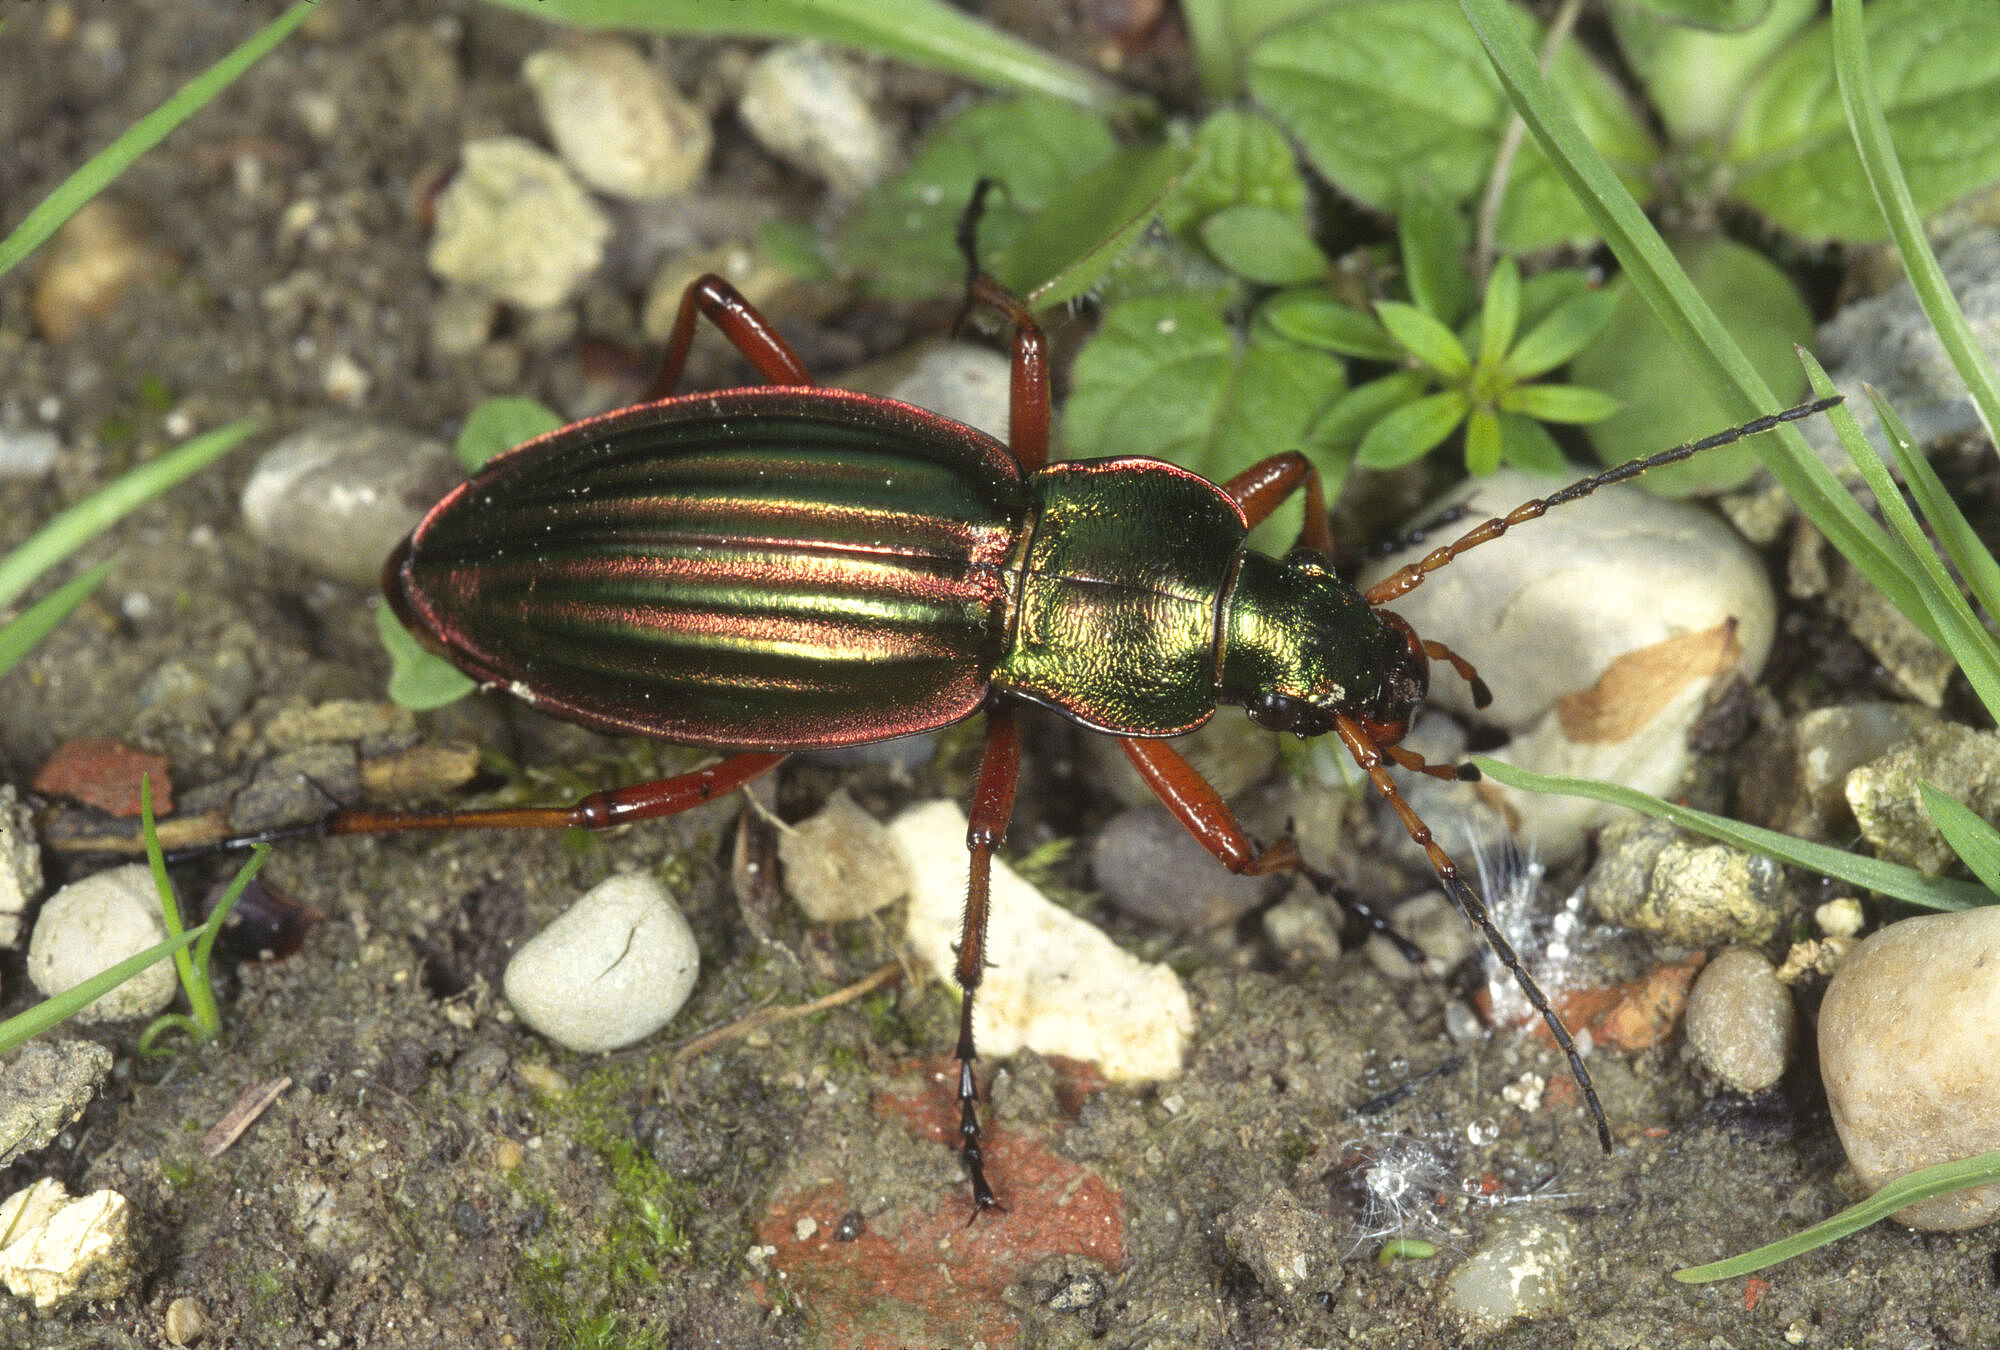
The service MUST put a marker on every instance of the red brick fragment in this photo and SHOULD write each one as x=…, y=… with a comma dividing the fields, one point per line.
x=102, y=773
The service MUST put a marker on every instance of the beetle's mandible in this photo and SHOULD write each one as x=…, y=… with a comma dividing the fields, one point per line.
x=786, y=567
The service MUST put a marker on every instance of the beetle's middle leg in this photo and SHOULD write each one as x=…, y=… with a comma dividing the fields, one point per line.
x=1264, y=486
x=992, y=808
x=1028, y=400
x=1197, y=805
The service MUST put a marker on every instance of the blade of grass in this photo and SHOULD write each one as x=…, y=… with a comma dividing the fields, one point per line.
x=1906, y=227
x=1659, y=279
x=21, y=634
x=1958, y=627
x=1926, y=1184
x=98, y=171
x=25, y=1026
x=1943, y=613
x=1884, y=878
x=922, y=32
x=1971, y=837
x=64, y=534
x=1968, y=553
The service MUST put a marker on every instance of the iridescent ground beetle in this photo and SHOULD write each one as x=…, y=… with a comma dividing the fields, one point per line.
x=787, y=567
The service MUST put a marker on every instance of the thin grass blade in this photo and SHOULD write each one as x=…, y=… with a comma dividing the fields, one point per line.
x=101, y=168
x=68, y=531
x=1884, y=878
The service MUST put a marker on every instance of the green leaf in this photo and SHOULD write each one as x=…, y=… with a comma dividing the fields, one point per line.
x=1569, y=328
x=1221, y=31
x=1695, y=69
x=1240, y=158
x=1971, y=836
x=1940, y=88
x=1566, y=403
x=1434, y=237
x=1482, y=442
x=1722, y=15
x=1943, y=612
x=1264, y=245
x=1924, y=1184
x=1872, y=874
x=1342, y=426
x=1314, y=318
x=1905, y=221
x=1166, y=376
x=498, y=424
x=1425, y=338
x=924, y=33
x=100, y=169
x=902, y=238
x=1967, y=551
x=1395, y=99
x=418, y=678
x=1652, y=271
x=1665, y=403
x=1526, y=444
x=1499, y=313
x=1084, y=226
x=1412, y=431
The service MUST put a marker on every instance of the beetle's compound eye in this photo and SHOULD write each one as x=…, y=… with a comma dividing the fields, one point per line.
x=1275, y=712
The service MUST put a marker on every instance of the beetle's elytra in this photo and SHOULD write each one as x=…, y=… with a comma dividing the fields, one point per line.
x=783, y=567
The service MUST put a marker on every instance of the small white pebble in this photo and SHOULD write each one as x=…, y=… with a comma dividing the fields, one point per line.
x=611, y=970
x=93, y=924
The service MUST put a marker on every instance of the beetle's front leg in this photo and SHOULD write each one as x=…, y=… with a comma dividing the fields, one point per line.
x=1197, y=805
x=992, y=808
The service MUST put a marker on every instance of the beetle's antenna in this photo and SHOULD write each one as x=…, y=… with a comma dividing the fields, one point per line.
x=1407, y=579
x=1372, y=759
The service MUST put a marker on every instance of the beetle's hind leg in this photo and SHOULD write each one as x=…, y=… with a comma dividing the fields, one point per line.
x=599, y=810
x=738, y=320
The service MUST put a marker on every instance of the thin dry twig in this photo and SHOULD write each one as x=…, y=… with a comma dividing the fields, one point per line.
x=764, y=1017
x=252, y=1104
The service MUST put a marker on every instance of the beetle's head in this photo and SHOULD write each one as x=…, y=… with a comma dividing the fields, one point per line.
x=1302, y=647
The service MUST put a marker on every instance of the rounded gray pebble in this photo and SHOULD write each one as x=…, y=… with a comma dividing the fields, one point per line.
x=611, y=970
x=339, y=495
x=1150, y=867
x=1909, y=1048
x=1740, y=1021
x=95, y=923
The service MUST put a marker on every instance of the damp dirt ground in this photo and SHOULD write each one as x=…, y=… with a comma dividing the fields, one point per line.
x=435, y=1175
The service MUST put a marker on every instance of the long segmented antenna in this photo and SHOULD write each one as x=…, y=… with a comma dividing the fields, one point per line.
x=1407, y=579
